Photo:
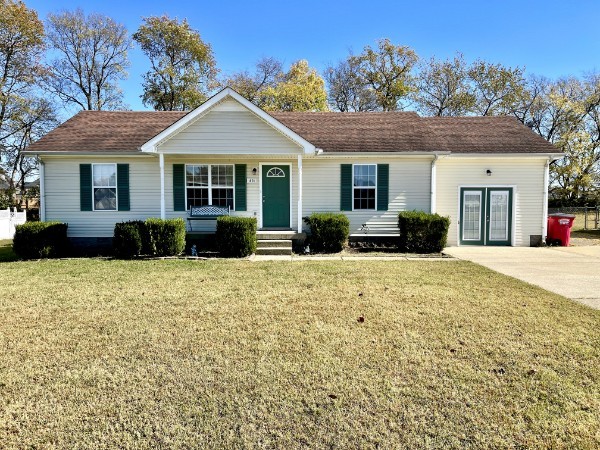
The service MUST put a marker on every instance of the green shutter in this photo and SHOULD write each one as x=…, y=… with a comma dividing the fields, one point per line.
x=346, y=188
x=123, y=187
x=383, y=186
x=85, y=187
x=240, y=187
x=178, y=187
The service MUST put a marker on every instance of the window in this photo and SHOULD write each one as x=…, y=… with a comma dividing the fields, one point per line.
x=364, y=186
x=275, y=172
x=104, y=186
x=209, y=184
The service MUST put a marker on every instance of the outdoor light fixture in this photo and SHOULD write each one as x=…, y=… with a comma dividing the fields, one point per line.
x=254, y=171
x=488, y=172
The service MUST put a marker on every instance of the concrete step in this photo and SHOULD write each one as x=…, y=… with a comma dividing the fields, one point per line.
x=274, y=250
x=274, y=243
x=279, y=235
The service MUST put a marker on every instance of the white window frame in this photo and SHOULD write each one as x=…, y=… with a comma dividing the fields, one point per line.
x=94, y=187
x=363, y=187
x=210, y=186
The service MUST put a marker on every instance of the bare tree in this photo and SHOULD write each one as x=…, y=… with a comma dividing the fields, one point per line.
x=37, y=117
x=348, y=90
x=443, y=88
x=497, y=88
x=268, y=72
x=92, y=57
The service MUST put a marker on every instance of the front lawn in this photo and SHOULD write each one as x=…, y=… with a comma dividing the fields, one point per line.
x=315, y=354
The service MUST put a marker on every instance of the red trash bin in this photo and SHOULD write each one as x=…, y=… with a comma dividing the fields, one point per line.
x=559, y=229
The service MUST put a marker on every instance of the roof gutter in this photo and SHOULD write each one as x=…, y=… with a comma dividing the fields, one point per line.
x=555, y=156
x=324, y=154
x=550, y=160
x=95, y=154
x=545, y=199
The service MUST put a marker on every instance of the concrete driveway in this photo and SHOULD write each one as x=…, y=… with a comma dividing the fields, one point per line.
x=573, y=272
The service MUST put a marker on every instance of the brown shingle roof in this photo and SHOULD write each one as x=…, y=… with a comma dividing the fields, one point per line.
x=500, y=134
x=125, y=131
x=362, y=132
x=106, y=131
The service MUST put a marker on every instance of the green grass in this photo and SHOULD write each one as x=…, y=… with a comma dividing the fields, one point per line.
x=586, y=234
x=579, y=223
x=6, y=252
x=231, y=354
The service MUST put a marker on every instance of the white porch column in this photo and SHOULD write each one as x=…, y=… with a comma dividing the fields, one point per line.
x=299, y=193
x=161, y=163
x=42, y=192
x=433, y=206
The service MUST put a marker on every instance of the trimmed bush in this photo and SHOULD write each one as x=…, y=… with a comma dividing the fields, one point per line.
x=236, y=236
x=164, y=237
x=328, y=232
x=127, y=239
x=421, y=232
x=34, y=240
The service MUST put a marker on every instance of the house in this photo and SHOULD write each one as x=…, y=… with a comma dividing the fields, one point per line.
x=489, y=174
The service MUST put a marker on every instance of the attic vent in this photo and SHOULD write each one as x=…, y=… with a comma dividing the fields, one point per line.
x=275, y=172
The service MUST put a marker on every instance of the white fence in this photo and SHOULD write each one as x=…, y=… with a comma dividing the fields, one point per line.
x=8, y=220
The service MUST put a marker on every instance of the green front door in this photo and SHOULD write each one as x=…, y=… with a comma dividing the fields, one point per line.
x=276, y=196
x=486, y=216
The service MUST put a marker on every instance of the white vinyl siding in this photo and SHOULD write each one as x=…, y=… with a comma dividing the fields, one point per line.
x=62, y=194
x=409, y=187
x=229, y=128
x=525, y=174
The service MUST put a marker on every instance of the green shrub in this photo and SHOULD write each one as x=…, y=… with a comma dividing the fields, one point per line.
x=328, y=232
x=236, y=236
x=421, y=232
x=164, y=237
x=34, y=240
x=127, y=239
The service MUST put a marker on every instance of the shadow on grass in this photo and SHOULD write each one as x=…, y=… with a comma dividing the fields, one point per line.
x=6, y=251
x=586, y=234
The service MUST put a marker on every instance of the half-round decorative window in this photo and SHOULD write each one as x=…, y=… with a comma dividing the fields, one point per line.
x=275, y=172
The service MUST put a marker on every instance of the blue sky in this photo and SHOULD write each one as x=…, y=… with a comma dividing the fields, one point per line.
x=551, y=38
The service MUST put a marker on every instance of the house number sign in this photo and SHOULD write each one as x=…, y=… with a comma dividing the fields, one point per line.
x=251, y=180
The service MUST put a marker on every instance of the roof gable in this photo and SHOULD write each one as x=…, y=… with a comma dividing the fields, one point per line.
x=229, y=128
x=212, y=106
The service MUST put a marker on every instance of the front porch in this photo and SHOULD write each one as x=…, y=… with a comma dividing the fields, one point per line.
x=268, y=188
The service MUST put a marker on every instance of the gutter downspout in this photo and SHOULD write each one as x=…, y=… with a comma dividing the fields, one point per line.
x=300, y=193
x=42, y=192
x=545, y=200
x=161, y=164
x=433, y=206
